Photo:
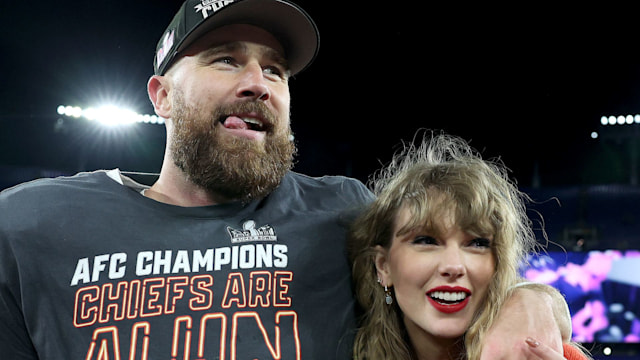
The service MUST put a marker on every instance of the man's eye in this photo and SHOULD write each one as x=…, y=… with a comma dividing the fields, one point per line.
x=424, y=240
x=481, y=242
x=227, y=60
x=274, y=71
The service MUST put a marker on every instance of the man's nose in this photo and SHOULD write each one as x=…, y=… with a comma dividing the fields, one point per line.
x=252, y=83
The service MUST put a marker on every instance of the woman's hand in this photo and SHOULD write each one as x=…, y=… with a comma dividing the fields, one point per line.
x=529, y=349
x=527, y=314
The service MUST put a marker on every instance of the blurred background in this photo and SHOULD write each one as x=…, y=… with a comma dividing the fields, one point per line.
x=517, y=84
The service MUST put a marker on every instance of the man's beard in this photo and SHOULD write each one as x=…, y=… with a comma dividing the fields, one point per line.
x=229, y=167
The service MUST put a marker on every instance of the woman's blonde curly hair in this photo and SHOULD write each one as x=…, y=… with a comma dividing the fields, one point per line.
x=440, y=175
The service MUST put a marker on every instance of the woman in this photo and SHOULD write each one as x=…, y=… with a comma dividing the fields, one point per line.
x=437, y=254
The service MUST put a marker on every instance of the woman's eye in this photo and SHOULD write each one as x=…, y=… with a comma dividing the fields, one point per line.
x=424, y=240
x=481, y=242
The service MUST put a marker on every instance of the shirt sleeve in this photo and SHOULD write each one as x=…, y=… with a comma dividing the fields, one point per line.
x=15, y=341
x=572, y=353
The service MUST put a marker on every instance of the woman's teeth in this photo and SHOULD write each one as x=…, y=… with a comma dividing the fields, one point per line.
x=448, y=296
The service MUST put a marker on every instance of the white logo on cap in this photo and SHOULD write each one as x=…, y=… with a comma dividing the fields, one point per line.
x=167, y=43
x=211, y=5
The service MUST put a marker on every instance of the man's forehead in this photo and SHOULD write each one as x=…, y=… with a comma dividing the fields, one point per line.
x=237, y=37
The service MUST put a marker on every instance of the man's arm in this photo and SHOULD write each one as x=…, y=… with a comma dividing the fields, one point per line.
x=15, y=342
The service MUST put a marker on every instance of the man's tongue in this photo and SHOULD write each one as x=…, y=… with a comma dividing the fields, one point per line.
x=233, y=122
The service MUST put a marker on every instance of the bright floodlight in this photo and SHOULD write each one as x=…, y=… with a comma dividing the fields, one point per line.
x=620, y=120
x=109, y=115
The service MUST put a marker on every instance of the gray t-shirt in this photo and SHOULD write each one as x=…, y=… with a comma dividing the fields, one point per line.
x=90, y=269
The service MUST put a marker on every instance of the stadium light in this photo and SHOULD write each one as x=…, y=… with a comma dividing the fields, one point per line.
x=620, y=120
x=109, y=115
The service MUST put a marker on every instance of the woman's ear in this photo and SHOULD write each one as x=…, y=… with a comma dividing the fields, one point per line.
x=158, y=88
x=382, y=266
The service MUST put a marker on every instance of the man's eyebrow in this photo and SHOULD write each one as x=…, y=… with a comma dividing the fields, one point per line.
x=224, y=48
x=237, y=46
x=277, y=57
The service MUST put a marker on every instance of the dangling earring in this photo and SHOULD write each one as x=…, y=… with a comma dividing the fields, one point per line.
x=387, y=296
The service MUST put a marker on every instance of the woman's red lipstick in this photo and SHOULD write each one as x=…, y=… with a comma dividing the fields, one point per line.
x=445, y=306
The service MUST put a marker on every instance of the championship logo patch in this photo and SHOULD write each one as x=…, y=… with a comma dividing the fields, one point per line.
x=250, y=233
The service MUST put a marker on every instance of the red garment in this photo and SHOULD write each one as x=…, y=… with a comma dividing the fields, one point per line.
x=571, y=353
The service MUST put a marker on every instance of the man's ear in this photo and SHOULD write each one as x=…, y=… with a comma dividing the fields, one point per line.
x=158, y=88
x=382, y=266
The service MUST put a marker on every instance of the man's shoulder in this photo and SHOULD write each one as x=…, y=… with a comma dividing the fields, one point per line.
x=58, y=187
x=331, y=192
x=327, y=183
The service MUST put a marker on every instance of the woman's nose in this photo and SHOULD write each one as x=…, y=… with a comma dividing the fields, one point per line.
x=452, y=264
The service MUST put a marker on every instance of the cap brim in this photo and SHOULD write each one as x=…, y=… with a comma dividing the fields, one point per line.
x=290, y=24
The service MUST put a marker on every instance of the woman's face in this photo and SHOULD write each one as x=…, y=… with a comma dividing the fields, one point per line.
x=438, y=280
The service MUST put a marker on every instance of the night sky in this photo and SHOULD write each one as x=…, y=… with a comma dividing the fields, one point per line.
x=510, y=85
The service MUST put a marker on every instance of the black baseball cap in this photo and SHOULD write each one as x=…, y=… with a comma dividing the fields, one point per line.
x=290, y=24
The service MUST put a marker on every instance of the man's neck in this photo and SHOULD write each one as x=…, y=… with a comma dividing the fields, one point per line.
x=174, y=188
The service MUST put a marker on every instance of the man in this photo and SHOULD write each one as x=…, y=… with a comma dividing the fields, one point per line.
x=229, y=255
